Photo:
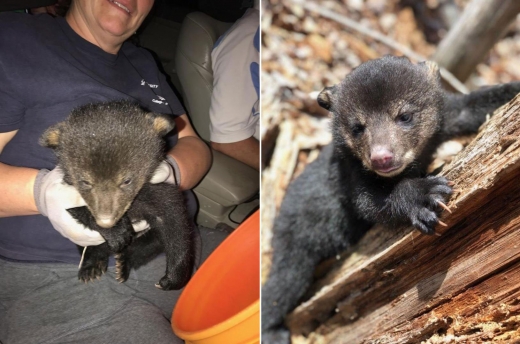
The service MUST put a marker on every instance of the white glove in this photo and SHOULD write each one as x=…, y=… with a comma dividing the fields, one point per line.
x=53, y=197
x=167, y=172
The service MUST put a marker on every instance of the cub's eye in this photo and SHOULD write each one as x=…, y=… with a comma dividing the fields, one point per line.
x=358, y=129
x=405, y=117
x=84, y=184
x=126, y=182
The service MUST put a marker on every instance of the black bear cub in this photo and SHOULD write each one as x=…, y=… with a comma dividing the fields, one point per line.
x=388, y=117
x=108, y=152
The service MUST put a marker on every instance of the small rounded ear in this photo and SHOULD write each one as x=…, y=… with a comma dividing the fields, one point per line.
x=432, y=69
x=325, y=97
x=51, y=136
x=162, y=124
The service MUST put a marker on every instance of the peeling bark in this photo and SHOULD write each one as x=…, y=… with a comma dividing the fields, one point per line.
x=399, y=286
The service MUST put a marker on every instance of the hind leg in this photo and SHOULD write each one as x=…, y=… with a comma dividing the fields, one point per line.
x=466, y=113
x=95, y=262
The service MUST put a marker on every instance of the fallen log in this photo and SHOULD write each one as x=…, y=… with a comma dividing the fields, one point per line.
x=399, y=286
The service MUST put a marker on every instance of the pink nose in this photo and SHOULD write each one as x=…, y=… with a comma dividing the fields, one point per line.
x=381, y=157
x=105, y=221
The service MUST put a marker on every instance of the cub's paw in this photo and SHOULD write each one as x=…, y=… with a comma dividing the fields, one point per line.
x=122, y=268
x=432, y=194
x=174, y=283
x=92, y=269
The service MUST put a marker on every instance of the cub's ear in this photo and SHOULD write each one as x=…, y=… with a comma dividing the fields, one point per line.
x=51, y=137
x=325, y=97
x=432, y=69
x=162, y=124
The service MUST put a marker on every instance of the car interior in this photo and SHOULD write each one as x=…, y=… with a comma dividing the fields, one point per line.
x=181, y=35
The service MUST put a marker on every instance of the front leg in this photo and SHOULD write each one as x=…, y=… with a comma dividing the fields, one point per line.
x=415, y=201
x=175, y=236
x=162, y=206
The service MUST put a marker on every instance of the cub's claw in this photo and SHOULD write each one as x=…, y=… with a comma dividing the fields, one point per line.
x=425, y=221
x=444, y=206
x=122, y=268
x=430, y=197
x=92, y=271
x=166, y=283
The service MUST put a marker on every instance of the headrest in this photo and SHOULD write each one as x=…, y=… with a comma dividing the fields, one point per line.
x=225, y=10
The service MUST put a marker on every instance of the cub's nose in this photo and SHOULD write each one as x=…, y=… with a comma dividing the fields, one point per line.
x=381, y=158
x=105, y=221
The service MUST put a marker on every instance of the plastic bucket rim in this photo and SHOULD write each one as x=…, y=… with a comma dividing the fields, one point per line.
x=202, y=270
x=227, y=324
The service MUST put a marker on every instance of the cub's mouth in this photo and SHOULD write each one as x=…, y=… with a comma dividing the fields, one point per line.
x=389, y=171
x=393, y=168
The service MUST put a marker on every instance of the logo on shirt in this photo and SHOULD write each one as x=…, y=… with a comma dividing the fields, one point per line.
x=160, y=100
x=143, y=83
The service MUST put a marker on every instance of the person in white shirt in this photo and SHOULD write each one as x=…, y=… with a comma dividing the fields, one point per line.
x=235, y=108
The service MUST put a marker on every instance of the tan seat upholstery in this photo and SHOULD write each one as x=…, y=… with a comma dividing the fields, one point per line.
x=229, y=183
x=198, y=35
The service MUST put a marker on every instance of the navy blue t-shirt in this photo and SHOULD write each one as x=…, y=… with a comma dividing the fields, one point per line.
x=46, y=70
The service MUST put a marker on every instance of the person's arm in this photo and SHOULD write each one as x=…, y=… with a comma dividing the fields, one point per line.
x=191, y=154
x=247, y=151
x=16, y=186
x=234, y=109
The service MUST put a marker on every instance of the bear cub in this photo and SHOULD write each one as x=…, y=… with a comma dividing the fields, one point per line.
x=108, y=152
x=388, y=117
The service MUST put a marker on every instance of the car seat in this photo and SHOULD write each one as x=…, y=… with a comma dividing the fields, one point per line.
x=226, y=192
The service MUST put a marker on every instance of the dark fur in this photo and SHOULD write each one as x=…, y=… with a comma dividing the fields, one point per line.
x=109, y=151
x=341, y=195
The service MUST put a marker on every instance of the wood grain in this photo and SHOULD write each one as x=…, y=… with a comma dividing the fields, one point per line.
x=398, y=286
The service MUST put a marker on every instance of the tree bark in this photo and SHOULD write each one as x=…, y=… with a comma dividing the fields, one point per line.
x=399, y=286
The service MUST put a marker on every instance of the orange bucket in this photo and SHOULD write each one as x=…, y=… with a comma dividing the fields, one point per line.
x=220, y=304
